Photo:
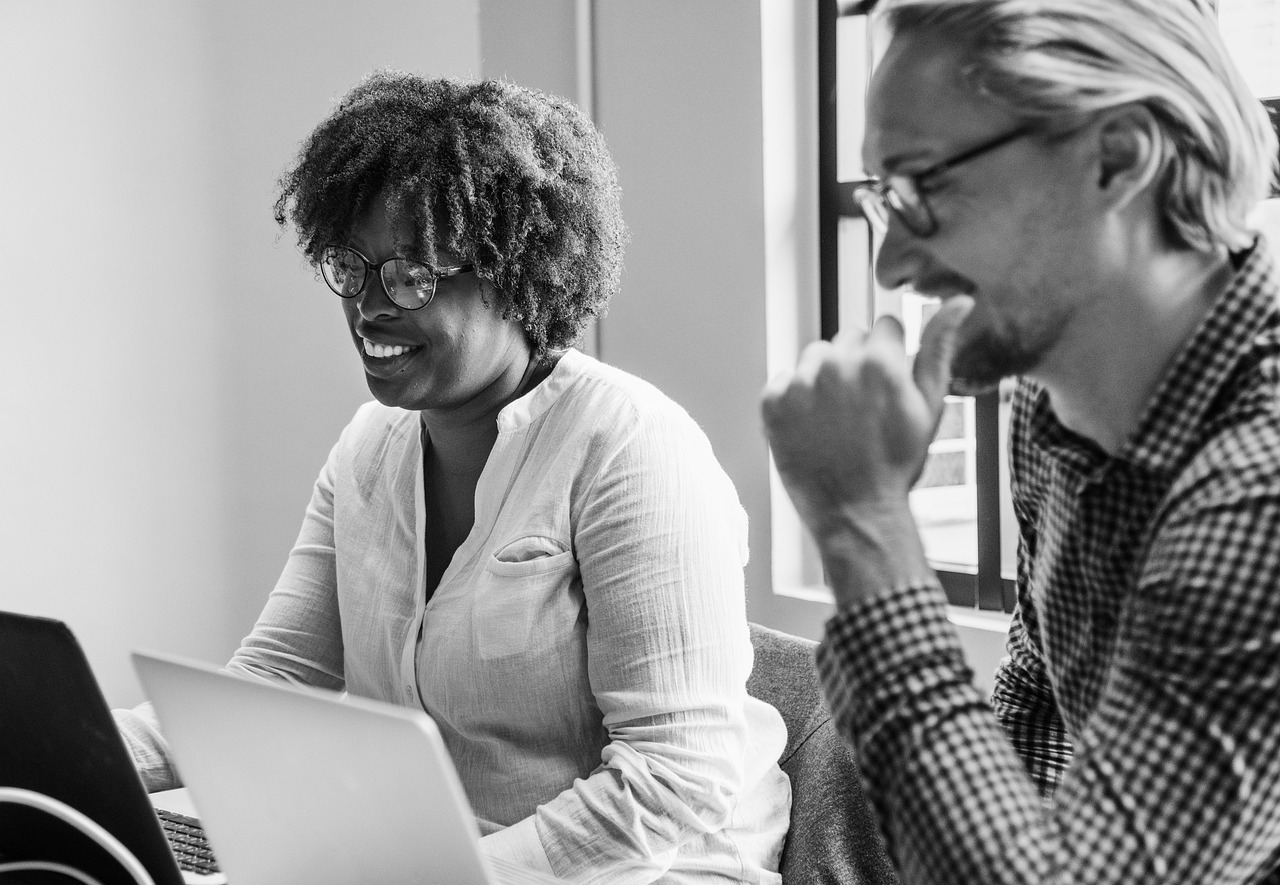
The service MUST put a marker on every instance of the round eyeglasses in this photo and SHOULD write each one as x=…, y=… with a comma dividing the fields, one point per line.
x=409, y=284
x=902, y=193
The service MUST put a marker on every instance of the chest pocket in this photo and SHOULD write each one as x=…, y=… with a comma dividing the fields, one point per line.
x=528, y=594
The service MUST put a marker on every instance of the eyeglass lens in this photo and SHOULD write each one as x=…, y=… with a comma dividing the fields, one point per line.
x=899, y=194
x=904, y=197
x=410, y=284
x=344, y=271
x=873, y=207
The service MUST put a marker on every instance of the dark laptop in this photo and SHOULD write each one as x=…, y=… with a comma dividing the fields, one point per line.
x=57, y=737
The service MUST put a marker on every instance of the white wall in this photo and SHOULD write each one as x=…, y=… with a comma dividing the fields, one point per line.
x=171, y=374
x=678, y=95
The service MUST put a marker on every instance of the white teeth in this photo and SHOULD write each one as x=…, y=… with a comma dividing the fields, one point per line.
x=381, y=351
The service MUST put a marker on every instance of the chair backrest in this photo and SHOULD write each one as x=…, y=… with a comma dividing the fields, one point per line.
x=834, y=838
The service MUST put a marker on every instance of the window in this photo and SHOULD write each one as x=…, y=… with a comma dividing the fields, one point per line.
x=962, y=502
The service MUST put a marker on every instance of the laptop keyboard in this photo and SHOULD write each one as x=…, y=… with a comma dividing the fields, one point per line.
x=187, y=839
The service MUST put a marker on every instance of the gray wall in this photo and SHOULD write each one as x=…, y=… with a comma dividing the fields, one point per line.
x=171, y=373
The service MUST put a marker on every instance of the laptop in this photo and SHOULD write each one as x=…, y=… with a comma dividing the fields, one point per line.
x=58, y=738
x=300, y=785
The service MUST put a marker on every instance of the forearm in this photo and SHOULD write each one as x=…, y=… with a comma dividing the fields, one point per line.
x=951, y=795
x=870, y=548
x=1152, y=790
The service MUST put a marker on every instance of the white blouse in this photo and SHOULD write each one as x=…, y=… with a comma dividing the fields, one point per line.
x=585, y=654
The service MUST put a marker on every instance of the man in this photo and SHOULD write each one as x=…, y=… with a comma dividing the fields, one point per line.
x=1071, y=177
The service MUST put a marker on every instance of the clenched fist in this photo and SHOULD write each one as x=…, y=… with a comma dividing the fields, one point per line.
x=850, y=427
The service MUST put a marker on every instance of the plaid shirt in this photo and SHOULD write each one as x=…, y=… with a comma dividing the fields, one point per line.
x=1136, y=735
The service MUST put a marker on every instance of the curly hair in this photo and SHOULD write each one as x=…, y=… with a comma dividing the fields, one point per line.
x=516, y=181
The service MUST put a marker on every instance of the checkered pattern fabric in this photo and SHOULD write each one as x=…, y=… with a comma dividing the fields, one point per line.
x=1136, y=735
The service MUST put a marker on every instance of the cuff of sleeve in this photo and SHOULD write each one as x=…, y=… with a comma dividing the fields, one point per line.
x=896, y=645
x=141, y=733
x=519, y=843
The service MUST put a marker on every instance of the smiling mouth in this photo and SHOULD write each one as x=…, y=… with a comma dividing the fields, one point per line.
x=385, y=351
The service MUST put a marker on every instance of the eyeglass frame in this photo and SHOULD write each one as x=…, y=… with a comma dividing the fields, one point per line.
x=437, y=274
x=884, y=192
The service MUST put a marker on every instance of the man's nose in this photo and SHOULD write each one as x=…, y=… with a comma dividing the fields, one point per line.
x=898, y=260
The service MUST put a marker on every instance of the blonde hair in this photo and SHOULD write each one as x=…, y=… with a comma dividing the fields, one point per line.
x=1056, y=63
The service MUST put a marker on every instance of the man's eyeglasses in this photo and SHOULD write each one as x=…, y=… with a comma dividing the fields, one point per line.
x=901, y=193
x=409, y=284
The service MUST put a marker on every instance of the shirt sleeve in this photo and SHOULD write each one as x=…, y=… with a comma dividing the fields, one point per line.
x=1023, y=701
x=660, y=540
x=1176, y=774
x=141, y=733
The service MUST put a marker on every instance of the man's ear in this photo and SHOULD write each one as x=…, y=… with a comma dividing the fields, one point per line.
x=1129, y=152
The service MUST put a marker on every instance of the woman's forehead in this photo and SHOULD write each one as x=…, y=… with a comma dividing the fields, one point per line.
x=390, y=227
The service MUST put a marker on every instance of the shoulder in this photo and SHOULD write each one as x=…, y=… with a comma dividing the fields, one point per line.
x=630, y=435
x=374, y=431
x=1236, y=448
x=613, y=403
x=1238, y=462
x=1212, y=544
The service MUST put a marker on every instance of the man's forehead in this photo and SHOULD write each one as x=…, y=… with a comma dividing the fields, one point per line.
x=919, y=106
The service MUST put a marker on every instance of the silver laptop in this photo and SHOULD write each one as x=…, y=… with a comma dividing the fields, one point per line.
x=299, y=785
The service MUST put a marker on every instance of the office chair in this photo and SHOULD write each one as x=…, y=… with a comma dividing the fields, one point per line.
x=834, y=839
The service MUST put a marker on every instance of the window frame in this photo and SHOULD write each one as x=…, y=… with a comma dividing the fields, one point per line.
x=983, y=588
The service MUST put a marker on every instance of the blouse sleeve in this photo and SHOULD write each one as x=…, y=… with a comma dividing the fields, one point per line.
x=297, y=637
x=660, y=540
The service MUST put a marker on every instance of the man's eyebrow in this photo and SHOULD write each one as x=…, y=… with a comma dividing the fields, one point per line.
x=891, y=163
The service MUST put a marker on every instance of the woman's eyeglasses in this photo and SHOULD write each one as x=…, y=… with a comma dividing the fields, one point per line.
x=409, y=284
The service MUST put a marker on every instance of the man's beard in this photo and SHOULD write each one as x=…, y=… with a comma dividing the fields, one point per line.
x=980, y=362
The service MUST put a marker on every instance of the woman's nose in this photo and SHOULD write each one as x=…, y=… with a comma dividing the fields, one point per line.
x=374, y=302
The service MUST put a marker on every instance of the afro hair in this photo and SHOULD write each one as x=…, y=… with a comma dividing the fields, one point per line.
x=516, y=181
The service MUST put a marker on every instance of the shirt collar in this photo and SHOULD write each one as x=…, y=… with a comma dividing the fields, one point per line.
x=529, y=407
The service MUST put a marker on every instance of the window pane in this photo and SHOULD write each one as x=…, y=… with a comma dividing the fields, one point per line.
x=1251, y=30
x=945, y=499
x=852, y=71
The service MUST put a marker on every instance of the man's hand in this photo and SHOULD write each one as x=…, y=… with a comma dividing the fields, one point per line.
x=850, y=429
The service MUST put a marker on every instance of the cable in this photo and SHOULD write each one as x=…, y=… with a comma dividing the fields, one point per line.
x=47, y=866
x=81, y=822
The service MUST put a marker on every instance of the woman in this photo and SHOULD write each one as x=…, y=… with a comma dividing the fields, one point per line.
x=539, y=550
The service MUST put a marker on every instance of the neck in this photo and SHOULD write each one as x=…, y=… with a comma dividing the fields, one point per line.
x=462, y=438
x=1106, y=367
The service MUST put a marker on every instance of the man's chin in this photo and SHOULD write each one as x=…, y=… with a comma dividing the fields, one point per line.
x=979, y=366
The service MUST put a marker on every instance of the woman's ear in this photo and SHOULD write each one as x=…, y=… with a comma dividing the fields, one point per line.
x=1130, y=155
